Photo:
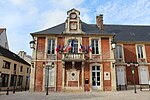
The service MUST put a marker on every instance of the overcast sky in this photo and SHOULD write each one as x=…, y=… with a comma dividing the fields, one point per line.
x=22, y=17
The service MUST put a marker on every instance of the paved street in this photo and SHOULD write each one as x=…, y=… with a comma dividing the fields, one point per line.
x=118, y=95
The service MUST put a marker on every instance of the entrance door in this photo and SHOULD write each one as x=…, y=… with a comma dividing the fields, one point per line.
x=120, y=76
x=144, y=75
x=96, y=77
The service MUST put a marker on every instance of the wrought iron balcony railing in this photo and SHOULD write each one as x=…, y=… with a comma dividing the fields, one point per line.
x=73, y=56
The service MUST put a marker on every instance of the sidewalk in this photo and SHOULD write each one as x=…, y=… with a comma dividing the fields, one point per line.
x=118, y=95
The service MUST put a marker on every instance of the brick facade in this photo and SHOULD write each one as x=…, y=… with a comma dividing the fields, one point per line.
x=82, y=62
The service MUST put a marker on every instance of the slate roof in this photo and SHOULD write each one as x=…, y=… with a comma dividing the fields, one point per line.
x=8, y=54
x=2, y=29
x=123, y=32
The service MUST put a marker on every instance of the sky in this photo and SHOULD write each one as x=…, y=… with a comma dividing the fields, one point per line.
x=22, y=17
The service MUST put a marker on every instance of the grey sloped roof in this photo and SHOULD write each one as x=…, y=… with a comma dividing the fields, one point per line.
x=8, y=54
x=129, y=32
x=123, y=32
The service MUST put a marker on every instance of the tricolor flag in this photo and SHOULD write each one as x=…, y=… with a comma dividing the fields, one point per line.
x=80, y=48
x=65, y=48
x=90, y=48
x=69, y=46
x=56, y=48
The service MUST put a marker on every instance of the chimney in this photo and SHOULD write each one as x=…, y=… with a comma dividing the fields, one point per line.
x=99, y=21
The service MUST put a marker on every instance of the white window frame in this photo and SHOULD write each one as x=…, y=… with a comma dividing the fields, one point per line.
x=51, y=46
x=94, y=46
x=143, y=50
x=117, y=53
x=51, y=77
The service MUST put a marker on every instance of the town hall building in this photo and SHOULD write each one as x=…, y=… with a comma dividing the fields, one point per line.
x=76, y=56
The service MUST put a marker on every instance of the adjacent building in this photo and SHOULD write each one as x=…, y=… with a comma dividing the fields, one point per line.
x=84, y=58
x=14, y=71
x=3, y=38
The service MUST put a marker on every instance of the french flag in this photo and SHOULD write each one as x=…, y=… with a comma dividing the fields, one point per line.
x=90, y=48
x=80, y=48
x=56, y=48
x=65, y=48
x=69, y=46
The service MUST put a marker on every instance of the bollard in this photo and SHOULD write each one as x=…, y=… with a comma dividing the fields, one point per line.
x=21, y=88
x=126, y=86
x=119, y=87
x=25, y=88
x=7, y=93
x=14, y=89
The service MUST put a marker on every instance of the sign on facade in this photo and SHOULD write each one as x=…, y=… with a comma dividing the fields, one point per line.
x=106, y=75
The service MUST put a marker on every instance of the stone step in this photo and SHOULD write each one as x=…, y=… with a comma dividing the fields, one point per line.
x=73, y=89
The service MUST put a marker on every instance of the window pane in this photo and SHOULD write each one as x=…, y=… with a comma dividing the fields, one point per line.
x=93, y=68
x=98, y=81
x=51, y=46
x=95, y=47
x=98, y=67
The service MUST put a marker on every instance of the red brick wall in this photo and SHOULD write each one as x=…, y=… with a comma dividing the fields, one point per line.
x=147, y=49
x=40, y=47
x=87, y=76
x=39, y=65
x=130, y=52
x=85, y=42
x=105, y=47
x=130, y=56
x=60, y=42
x=59, y=76
x=39, y=76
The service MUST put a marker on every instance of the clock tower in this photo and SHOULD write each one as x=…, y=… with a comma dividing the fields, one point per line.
x=73, y=23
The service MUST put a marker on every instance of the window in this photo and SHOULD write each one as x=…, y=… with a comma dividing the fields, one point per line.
x=95, y=75
x=21, y=68
x=27, y=70
x=51, y=46
x=74, y=46
x=15, y=65
x=20, y=80
x=51, y=77
x=95, y=49
x=140, y=51
x=5, y=78
x=119, y=52
x=6, y=64
x=13, y=80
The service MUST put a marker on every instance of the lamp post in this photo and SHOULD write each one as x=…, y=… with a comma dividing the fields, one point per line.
x=133, y=65
x=0, y=81
x=14, y=81
x=48, y=67
x=33, y=46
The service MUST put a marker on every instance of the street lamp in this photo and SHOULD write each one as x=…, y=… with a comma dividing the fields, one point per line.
x=113, y=43
x=48, y=67
x=133, y=65
x=32, y=44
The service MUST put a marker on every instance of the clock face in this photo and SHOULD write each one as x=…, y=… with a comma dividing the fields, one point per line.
x=73, y=15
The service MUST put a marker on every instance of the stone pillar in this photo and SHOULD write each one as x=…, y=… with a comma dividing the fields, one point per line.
x=83, y=75
x=63, y=74
x=113, y=77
